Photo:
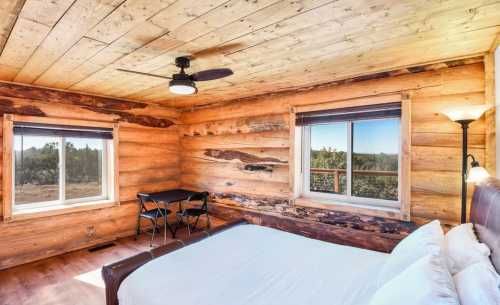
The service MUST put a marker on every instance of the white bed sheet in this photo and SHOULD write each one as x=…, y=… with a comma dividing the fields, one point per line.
x=255, y=265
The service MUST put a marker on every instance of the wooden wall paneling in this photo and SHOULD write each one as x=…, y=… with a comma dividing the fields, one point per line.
x=7, y=182
x=406, y=157
x=209, y=135
x=490, y=98
x=147, y=159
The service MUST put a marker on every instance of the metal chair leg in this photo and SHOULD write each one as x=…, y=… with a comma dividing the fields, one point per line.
x=153, y=235
x=138, y=227
x=196, y=222
x=165, y=229
x=208, y=222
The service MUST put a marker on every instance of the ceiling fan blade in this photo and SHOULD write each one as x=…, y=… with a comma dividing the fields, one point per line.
x=146, y=74
x=211, y=74
x=217, y=50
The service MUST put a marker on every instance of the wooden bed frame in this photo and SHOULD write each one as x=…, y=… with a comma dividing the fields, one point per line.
x=485, y=214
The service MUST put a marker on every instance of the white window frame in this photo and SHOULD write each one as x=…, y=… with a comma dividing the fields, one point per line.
x=348, y=198
x=113, y=182
x=106, y=174
x=296, y=170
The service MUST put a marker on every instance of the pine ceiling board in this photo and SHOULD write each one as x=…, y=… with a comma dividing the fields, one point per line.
x=107, y=77
x=341, y=11
x=7, y=72
x=25, y=38
x=79, y=73
x=394, y=51
x=9, y=11
x=183, y=11
x=81, y=52
x=431, y=48
x=271, y=45
x=35, y=21
x=133, y=40
x=213, y=19
x=175, y=15
x=45, y=12
x=264, y=17
x=130, y=14
x=217, y=17
x=72, y=26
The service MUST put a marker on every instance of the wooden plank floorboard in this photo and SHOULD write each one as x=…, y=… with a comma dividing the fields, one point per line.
x=73, y=278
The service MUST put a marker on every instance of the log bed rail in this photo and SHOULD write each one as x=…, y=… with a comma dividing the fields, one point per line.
x=114, y=273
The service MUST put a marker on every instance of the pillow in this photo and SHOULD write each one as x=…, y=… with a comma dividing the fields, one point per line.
x=423, y=241
x=426, y=282
x=478, y=284
x=462, y=248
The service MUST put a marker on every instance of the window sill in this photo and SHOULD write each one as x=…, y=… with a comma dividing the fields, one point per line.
x=336, y=205
x=23, y=214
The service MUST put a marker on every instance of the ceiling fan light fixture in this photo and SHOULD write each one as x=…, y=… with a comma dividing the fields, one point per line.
x=182, y=86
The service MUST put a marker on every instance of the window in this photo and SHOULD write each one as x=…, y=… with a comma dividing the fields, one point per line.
x=60, y=165
x=353, y=155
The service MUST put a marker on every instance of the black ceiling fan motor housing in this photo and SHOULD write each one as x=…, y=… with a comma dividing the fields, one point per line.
x=182, y=62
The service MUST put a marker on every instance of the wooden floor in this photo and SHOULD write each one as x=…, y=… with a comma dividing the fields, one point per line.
x=70, y=279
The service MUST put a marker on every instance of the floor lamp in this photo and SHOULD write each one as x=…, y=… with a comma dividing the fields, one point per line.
x=464, y=116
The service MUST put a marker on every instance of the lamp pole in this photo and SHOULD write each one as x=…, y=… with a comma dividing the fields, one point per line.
x=465, y=128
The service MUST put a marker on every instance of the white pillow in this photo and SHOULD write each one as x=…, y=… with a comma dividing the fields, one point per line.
x=478, y=284
x=423, y=241
x=426, y=282
x=462, y=248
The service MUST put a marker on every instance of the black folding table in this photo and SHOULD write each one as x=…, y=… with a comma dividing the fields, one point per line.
x=168, y=197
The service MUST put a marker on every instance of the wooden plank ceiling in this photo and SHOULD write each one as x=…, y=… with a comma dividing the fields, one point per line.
x=271, y=45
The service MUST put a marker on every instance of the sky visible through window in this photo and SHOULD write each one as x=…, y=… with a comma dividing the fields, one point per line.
x=40, y=141
x=371, y=136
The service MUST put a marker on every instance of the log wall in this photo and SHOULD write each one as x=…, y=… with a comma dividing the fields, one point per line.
x=148, y=161
x=240, y=151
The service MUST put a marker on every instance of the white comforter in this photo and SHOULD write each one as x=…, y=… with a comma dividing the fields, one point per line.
x=256, y=265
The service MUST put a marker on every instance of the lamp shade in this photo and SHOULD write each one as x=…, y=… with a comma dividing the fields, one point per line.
x=466, y=113
x=477, y=174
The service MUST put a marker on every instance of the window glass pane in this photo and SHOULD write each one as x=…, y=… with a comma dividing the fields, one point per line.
x=83, y=167
x=36, y=169
x=328, y=158
x=376, y=145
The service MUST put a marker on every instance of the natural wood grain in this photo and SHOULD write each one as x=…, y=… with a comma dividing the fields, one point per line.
x=272, y=45
x=214, y=136
x=146, y=159
x=9, y=11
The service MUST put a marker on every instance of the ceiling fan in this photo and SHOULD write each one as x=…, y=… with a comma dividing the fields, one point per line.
x=183, y=83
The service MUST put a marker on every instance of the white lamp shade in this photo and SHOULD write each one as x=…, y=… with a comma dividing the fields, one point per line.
x=477, y=174
x=469, y=112
x=182, y=89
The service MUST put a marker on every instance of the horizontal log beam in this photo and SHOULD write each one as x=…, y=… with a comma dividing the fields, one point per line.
x=117, y=107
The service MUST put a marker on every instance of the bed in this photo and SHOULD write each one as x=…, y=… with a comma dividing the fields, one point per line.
x=259, y=265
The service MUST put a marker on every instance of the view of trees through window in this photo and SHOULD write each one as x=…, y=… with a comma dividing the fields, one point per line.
x=37, y=168
x=374, y=153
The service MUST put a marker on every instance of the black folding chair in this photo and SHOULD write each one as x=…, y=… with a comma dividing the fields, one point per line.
x=152, y=214
x=195, y=212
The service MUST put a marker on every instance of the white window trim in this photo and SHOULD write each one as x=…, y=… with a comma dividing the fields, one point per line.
x=62, y=201
x=10, y=214
x=347, y=199
x=295, y=158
